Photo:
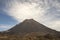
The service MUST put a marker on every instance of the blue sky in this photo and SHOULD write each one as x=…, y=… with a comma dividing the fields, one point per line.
x=6, y=21
x=46, y=12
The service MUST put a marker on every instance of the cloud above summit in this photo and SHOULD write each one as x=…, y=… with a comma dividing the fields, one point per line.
x=46, y=12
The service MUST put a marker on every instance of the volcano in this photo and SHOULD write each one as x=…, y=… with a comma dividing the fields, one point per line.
x=29, y=26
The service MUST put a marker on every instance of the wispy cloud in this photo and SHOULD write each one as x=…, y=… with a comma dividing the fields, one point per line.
x=43, y=11
x=4, y=27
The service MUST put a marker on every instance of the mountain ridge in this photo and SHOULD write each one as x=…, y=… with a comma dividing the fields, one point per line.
x=29, y=26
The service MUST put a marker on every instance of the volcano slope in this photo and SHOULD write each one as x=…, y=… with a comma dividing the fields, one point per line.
x=30, y=29
x=30, y=26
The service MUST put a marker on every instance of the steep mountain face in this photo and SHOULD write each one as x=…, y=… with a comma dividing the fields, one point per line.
x=29, y=26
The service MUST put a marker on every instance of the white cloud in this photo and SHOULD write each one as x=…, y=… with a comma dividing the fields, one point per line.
x=37, y=9
x=4, y=27
x=54, y=25
x=22, y=11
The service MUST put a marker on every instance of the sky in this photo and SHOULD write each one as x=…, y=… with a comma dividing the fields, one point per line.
x=46, y=12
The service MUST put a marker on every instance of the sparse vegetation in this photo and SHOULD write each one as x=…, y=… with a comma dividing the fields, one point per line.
x=29, y=37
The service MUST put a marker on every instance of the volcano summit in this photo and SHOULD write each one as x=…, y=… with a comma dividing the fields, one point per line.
x=30, y=26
